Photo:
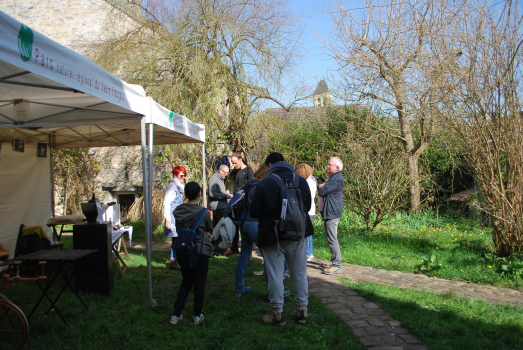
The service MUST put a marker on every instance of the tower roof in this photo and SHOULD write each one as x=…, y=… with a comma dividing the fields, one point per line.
x=322, y=88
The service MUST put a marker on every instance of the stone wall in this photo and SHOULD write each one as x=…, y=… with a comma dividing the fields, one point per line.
x=72, y=23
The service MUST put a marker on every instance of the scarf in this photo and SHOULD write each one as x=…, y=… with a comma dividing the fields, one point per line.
x=179, y=185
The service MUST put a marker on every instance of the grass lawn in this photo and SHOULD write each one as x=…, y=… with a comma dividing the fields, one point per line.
x=125, y=319
x=461, y=248
x=448, y=321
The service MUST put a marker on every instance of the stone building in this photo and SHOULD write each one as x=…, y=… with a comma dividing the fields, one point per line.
x=74, y=24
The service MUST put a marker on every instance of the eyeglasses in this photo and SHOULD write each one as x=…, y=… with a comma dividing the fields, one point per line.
x=181, y=175
x=225, y=172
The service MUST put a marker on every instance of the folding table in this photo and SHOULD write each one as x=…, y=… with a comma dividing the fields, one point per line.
x=116, y=236
x=57, y=260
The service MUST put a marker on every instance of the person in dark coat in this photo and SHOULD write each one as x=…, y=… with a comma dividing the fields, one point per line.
x=331, y=208
x=267, y=206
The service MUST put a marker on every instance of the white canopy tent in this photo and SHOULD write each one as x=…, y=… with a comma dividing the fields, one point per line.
x=50, y=94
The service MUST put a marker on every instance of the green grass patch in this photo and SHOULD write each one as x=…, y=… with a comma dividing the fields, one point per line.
x=444, y=246
x=125, y=319
x=447, y=321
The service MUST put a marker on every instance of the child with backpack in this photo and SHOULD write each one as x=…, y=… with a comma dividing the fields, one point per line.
x=193, y=251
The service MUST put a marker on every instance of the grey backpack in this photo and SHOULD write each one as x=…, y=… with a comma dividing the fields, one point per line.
x=292, y=222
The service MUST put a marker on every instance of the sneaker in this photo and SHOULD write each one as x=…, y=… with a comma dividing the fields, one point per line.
x=286, y=278
x=197, y=319
x=231, y=252
x=286, y=293
x=239, y=293
x=302, y=315
x=275, y=318
x=174, y=319
x=310, y=257
x=333, y=270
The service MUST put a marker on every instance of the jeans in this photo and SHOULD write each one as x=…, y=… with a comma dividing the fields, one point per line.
x=249, y=237
x=193, y=279
x=309, y=242
x=294, y=253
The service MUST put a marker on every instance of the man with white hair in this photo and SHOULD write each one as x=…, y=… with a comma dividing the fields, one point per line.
x=331, y=208
x=217, y=194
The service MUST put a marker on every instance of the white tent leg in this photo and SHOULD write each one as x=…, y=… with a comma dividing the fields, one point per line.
x=150, y=213
x=146, y=202
x=51, y=161
x=204, y=194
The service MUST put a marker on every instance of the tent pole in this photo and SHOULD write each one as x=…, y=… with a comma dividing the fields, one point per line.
x=51, y=162
x=145, y=200
x=150, y=212
x=204, y=194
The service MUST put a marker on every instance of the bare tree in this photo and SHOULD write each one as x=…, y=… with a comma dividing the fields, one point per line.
x=384, y=51
x=208, y=59
x=483, y=104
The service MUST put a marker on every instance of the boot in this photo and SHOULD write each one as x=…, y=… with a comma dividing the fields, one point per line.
x=275, y=318
x=174, y=265
x=302, y=315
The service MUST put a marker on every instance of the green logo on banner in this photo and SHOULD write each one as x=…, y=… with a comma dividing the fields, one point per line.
x=25, y=43
x=171, y=116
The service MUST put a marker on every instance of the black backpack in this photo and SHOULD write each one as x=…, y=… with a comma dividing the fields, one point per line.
x=236, y=209
x=187, y=255
x=292, y=222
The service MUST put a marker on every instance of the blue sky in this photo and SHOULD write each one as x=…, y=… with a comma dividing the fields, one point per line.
x=315, y=64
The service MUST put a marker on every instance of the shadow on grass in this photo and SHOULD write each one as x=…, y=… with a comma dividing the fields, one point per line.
x=126, y=320
x=447, y=321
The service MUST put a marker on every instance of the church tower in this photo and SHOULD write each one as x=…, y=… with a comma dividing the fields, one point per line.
x=322, y=95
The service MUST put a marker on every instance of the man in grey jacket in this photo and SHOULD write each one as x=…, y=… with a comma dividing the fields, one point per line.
x=217, y=194
x=331, y=208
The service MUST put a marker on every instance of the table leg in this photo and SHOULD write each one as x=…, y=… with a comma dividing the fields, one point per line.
x=48, y=285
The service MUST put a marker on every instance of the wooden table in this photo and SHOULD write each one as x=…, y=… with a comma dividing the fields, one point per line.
x=62, y=221
x=57, y=260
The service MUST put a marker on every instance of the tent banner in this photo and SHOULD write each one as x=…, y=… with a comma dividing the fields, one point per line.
x=27, y=49
x=160, y=115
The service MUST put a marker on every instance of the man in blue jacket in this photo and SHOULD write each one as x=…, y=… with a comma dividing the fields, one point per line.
x=331, y=208
x=267, y=206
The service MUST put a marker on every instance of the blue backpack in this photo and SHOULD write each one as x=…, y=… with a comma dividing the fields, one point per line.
x=236, y=209
x=187, y=255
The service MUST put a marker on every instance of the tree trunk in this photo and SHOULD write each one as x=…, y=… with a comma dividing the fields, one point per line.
x=414, y=188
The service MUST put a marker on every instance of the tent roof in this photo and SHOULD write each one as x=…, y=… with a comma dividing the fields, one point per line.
x=47, y=89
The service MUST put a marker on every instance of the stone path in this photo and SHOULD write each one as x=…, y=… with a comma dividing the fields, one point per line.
x=374, y=328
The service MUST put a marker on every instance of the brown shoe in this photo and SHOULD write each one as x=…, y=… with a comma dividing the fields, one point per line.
x=302, y=315
x=174, y=265
x=275, y=318
x=231, y=252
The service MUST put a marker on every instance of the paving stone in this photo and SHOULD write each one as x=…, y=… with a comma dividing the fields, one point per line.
x=334, y=306
x=376, y=330
x=375, y=322
x=359, y=332
x=394, y=323
x=358, y=324
x=370, y=305
x=371, y=341
x=358, y=310
x=376, y=312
